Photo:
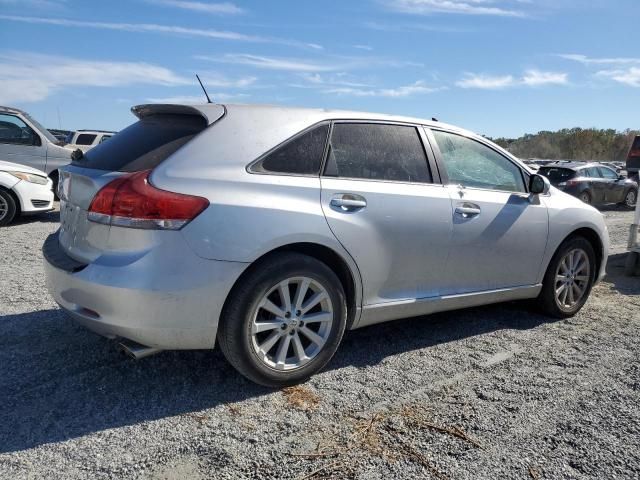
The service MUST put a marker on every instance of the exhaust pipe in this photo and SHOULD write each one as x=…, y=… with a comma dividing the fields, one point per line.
x=137, y=351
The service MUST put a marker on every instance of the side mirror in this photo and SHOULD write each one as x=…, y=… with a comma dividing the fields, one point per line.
x=621, y=177
x=37, y=141
x=539, y=184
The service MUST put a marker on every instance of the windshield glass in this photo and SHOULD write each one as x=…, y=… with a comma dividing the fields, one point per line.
x=41, y=129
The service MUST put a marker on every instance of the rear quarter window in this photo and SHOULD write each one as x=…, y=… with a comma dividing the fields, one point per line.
x=85, y=139
x=301, y=155
x=144, y=144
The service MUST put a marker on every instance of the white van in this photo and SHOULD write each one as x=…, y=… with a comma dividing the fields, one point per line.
x=87, y=139
x=24, y=141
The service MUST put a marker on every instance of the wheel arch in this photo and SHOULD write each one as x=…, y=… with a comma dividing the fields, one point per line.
x=593, y=238
x=349, y=279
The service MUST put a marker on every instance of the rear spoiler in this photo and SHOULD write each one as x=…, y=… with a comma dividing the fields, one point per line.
x=210, y=112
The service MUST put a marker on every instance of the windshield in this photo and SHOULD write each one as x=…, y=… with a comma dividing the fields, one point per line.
x=556, y=175
x=41, y=129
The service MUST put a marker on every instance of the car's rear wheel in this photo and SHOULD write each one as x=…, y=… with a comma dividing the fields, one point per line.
x=569, y=278
x=7, y=208
x=284, y=321
x=585, y=197
x=631, y=198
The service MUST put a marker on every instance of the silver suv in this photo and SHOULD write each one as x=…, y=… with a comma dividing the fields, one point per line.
x=273, y=230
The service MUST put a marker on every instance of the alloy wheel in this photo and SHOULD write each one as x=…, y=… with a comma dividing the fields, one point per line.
x=572, y=279
x=292, y=323
x=630, y=199
x=4, y=208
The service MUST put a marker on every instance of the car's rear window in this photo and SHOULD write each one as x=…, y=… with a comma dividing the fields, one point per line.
x=85, y=139
x=144, y=144
x=556, y=175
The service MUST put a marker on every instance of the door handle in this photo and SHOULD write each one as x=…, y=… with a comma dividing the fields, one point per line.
x=349, y=203
x=468, y=211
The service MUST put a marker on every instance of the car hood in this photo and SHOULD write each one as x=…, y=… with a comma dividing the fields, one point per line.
x=14, y=167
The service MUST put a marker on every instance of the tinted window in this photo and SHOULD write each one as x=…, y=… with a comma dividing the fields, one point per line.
x=85, y=139
x=557, y=175
x=104, y=138
x=473, y=164
x=377, y=152
x=15, y=131
x=593, y=172
x=143, y=145
x=608, y=173
x=300, y=156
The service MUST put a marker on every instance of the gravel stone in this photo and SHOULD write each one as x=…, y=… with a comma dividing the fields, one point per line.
x=484, y=393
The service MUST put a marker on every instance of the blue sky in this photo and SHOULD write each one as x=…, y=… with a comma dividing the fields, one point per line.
x=499, y=67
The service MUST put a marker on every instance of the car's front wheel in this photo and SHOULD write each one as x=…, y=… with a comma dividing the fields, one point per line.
x=569, y=278
x=631, y=198
x=8, y=208
x=585, y=197
x=284, y=321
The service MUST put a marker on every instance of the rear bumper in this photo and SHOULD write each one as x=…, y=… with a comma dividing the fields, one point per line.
x=157, y=300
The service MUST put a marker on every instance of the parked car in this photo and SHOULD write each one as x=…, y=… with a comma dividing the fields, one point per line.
x=87, y=139
x=23, y=191
x=613, y=165
x=271, y=230
x=25, y=142
x=593, y=183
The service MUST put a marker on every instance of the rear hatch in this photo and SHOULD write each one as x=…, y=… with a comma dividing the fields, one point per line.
x=557, y=175
x=160, y=131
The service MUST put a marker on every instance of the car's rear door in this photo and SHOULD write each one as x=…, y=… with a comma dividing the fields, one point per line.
x=383, y=203
x=499, y=230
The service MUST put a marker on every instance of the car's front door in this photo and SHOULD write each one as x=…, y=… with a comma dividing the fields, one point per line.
x=19, y=143
x=499, y=230
x=613, y=186
x=381, y=203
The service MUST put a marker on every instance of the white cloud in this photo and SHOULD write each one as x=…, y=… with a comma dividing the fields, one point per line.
x=220, y=81
x=363, y=47
x=535, y=78
x=28, y=77
x=466, y=7
x=486, y=82
x=224, y=8
x=338, y=79
x=600, y=61
x=630, y=76
x=416, y=88
x=531, y=78
x=160, y=29
x=272, y=63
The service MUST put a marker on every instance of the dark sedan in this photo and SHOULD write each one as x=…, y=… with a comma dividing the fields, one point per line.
x=592, y=183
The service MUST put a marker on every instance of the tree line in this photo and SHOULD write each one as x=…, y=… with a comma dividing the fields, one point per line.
x=572, y=144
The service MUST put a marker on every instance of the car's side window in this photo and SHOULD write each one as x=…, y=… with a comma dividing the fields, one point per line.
x=85, y=139
x=105, y=138
x=584, y=173
x=472, y=164
x=300, y=156
x=15, y=131
x=593, y=172
x=374, y=151
x=608, y=173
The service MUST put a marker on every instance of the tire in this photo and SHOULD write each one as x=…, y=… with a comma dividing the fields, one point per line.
x=8, y=208
x=54, y=176
x=248, y=350
x=548, y=300
x=631, y=198
x=585, y=197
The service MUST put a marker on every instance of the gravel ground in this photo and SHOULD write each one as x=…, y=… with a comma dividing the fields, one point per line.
x=494, y=392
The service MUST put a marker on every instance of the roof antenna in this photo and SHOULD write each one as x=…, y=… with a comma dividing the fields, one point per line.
x=203, y=89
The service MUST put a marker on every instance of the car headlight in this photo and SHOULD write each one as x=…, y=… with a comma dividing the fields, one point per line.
x=29, y=177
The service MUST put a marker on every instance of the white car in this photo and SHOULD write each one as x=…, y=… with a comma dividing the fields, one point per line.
x=87, y=139
x=23, y=191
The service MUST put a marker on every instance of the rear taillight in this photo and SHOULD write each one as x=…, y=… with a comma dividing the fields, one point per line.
x=131, y=201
